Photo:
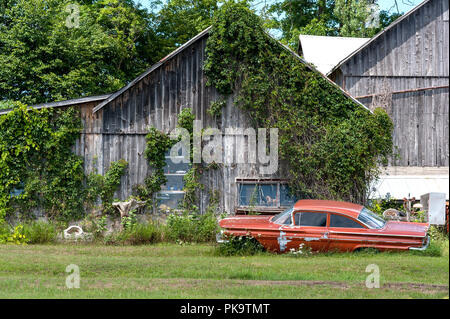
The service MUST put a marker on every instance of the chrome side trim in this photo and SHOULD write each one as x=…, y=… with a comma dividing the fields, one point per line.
x=373, y=234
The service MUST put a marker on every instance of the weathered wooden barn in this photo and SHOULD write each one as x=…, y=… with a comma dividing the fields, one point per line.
x=115, y=126
x=405, y=69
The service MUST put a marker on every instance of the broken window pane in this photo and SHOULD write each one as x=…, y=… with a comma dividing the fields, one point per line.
x=171, y=193
x=258, y=194
x=18, y=190
x=268, y=195
x=248, y=195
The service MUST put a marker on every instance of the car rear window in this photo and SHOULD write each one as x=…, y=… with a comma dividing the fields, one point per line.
x=344, y=222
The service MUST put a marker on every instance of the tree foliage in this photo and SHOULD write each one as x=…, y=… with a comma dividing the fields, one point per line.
x=180, y=20
x=332, y=145
x=43, y=58
x=46, y=56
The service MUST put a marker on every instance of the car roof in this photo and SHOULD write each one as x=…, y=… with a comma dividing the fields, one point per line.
x=350, y=209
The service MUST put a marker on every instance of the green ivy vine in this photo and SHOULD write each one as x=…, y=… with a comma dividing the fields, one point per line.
x=158, y=143
x=192, y=184
x=333, y=146
x=39, y=170
x=104, y=186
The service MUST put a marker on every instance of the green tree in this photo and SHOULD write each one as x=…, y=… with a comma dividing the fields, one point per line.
x=327, y=18
x=43, y=58
x=180, y=20
x=352, y=16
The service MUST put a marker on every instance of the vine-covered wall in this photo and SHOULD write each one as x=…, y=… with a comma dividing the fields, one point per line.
x=332, y=145
x=39, y=170
x=231, y=76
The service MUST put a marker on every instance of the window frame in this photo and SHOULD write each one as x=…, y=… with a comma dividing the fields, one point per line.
x=257, y=181
x=168, y=191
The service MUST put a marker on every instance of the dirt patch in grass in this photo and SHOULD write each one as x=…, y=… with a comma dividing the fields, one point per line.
x=336, y=284
x=416, y=286
x=183, y=283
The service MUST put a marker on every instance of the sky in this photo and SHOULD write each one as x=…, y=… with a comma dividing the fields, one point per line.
x=403, y=5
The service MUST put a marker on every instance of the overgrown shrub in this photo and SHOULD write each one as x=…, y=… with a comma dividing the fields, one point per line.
x=10, y=235
x=94, y=225
x=438, y=233
x=40, y=232
x=239, y=246
x=137, y=234
x=191, y=227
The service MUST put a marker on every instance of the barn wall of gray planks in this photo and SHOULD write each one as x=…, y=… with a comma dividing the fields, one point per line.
x=413, y=54
x=117, y=130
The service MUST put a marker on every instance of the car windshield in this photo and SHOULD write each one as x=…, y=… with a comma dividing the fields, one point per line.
x=371, y=219
x=284, y=218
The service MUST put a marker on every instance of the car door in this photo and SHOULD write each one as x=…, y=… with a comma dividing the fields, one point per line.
x=346, y=233
x=310, y=229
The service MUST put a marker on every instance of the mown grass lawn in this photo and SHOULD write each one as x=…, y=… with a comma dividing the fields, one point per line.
x=194, y=271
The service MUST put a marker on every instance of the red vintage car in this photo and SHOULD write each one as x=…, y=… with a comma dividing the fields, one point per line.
x=327, y=225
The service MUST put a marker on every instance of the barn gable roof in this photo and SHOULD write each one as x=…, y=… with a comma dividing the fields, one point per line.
x=186, y=45
x=379, y=34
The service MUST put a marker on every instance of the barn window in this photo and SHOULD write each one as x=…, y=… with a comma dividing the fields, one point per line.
x=172, y=193
x=286, y=199
x=18, y=190
x=264, y=193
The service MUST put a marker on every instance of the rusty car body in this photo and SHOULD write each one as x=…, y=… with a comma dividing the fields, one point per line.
x=326, y=225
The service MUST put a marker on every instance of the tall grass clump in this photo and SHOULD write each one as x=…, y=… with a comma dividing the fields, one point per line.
x=137, y=234
x=40, y=232
x=191, y=227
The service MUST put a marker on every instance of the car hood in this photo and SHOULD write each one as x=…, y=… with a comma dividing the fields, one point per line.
x=407, y=227
x=244, y=221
